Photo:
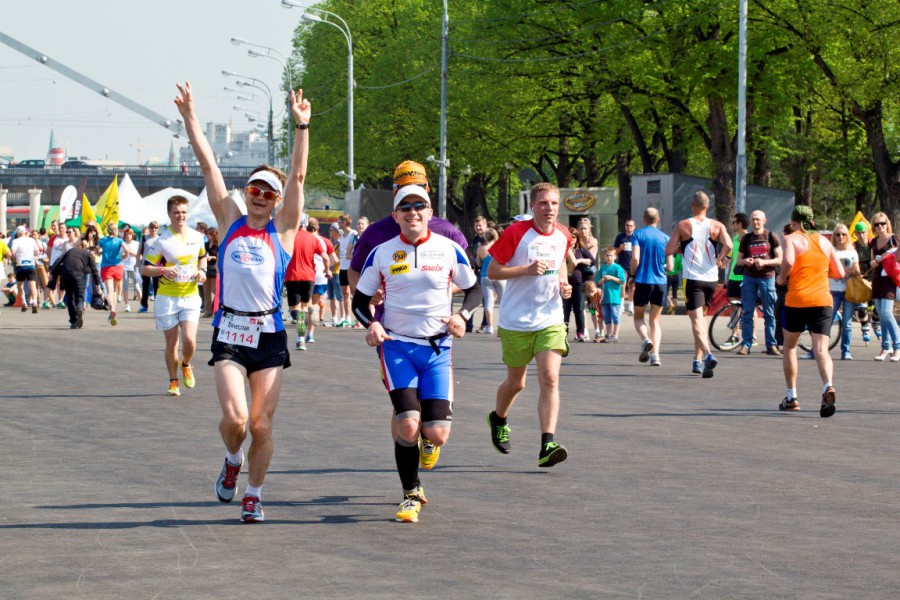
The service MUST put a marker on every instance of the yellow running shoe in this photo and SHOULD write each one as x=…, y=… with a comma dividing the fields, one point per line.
x=428, y=454
x=409, y=509
x=188, y=372
x=173, y=388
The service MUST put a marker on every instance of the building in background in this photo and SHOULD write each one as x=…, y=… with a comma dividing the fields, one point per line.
x=232, y=148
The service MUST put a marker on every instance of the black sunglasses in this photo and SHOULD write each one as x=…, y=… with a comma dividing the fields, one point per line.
x=416, y=206
x=881, y=224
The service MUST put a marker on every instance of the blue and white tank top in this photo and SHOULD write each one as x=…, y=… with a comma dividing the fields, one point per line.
x=252, y=264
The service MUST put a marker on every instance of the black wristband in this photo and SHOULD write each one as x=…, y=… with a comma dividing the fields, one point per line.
x=302, y=126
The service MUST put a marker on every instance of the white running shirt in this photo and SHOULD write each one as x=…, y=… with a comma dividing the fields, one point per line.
x=699, y=261
x=418, y=283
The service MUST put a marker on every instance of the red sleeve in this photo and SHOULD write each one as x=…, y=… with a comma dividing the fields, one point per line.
x=504, y=248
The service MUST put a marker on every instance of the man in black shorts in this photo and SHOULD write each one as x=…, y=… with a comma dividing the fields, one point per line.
x=648, y=268
x=300, y=279
x=809, y=260
x=696, y=238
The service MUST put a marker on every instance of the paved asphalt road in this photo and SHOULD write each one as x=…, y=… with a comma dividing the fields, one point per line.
x=676, y=487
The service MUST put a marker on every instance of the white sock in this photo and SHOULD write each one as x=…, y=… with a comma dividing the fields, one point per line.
x=235, y=459
x=253, y=491
x=792, y=394
x=825, y=387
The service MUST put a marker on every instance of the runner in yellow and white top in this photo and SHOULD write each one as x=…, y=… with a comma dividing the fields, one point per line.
x=178, y=258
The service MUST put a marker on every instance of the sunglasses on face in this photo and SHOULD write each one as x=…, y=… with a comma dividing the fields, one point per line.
x=267, y=195
x=416, y=206
x=840, y=235
x=881, y=224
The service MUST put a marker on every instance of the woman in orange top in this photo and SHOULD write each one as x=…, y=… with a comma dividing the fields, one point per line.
x=808, y=261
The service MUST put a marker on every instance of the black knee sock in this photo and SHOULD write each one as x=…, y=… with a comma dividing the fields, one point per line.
x=407, y=464
x=295, y=314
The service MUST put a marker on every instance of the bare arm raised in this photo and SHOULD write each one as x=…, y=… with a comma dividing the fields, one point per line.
x=287, y=220
x=223, y=206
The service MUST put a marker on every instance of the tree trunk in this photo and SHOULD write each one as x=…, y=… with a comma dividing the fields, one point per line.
x=623, y=173
x=503, y=215
x=887, y=171
x=723, y=155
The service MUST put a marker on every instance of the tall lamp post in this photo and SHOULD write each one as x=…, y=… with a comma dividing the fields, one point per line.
x=286, y=64
x=345, y=30
x=260, y=85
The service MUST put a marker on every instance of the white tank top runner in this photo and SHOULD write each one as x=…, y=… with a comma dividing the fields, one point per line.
x=700, y=253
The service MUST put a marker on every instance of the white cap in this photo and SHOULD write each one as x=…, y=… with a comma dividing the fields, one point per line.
x=268, y=177
x=411, y=190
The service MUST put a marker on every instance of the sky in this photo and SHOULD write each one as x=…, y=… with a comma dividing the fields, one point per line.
x=140, y=50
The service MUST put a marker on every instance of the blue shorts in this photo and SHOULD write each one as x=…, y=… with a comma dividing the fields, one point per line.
x=417, y=366
x=319, y=289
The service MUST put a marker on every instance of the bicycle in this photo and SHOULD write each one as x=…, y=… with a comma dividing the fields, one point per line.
x=727, y=335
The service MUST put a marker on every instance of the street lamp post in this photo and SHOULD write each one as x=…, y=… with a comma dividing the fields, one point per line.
x=257, y=83
x=286, y=63
x=345, y=30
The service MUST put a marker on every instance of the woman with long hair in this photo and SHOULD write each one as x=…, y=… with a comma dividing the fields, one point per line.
x=846, y=253
x=580, y=262
x=212, y=256
x=491, y=290
x=883, y=289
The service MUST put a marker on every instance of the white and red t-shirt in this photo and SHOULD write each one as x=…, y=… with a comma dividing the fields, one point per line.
x=531, y=303
x=303, y=266
x=328, y=250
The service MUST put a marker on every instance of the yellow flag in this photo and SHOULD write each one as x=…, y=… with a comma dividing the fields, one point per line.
x=859, y=218
x=87, y=215
x=108, y=206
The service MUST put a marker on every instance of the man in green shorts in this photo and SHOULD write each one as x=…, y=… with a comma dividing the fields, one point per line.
x=531, y=257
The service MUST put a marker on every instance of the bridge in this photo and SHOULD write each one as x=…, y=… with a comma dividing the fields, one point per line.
x=51, y=180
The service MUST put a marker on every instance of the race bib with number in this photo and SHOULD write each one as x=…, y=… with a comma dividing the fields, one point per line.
x=627, y=246
x=544, y=253
x=186, y=273
x=239, y=331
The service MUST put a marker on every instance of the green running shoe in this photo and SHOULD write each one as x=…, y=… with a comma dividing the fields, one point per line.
x=551, y=454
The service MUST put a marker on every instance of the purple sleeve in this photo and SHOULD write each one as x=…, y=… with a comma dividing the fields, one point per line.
x=448, y=230
x=376, y=233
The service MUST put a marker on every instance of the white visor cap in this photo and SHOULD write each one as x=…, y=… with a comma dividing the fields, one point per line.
x=411, y=190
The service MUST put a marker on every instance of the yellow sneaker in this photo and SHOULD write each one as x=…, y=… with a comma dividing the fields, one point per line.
x=173, y=388
x=188, y=372
x=428, y=454
x=409, y=509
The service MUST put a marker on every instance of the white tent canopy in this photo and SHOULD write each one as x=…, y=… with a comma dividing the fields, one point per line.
x=131, y=205
x=154, y=208
x=200, y=210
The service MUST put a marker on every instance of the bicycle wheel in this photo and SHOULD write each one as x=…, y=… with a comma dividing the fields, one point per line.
x=725, y=327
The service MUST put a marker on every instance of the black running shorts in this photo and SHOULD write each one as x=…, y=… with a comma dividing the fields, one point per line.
x=697, y=294
x=649, y=293
x=272, y=352
x=817, y=319
x=298, y=291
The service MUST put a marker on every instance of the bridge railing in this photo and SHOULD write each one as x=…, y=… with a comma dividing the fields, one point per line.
x=190, y=170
